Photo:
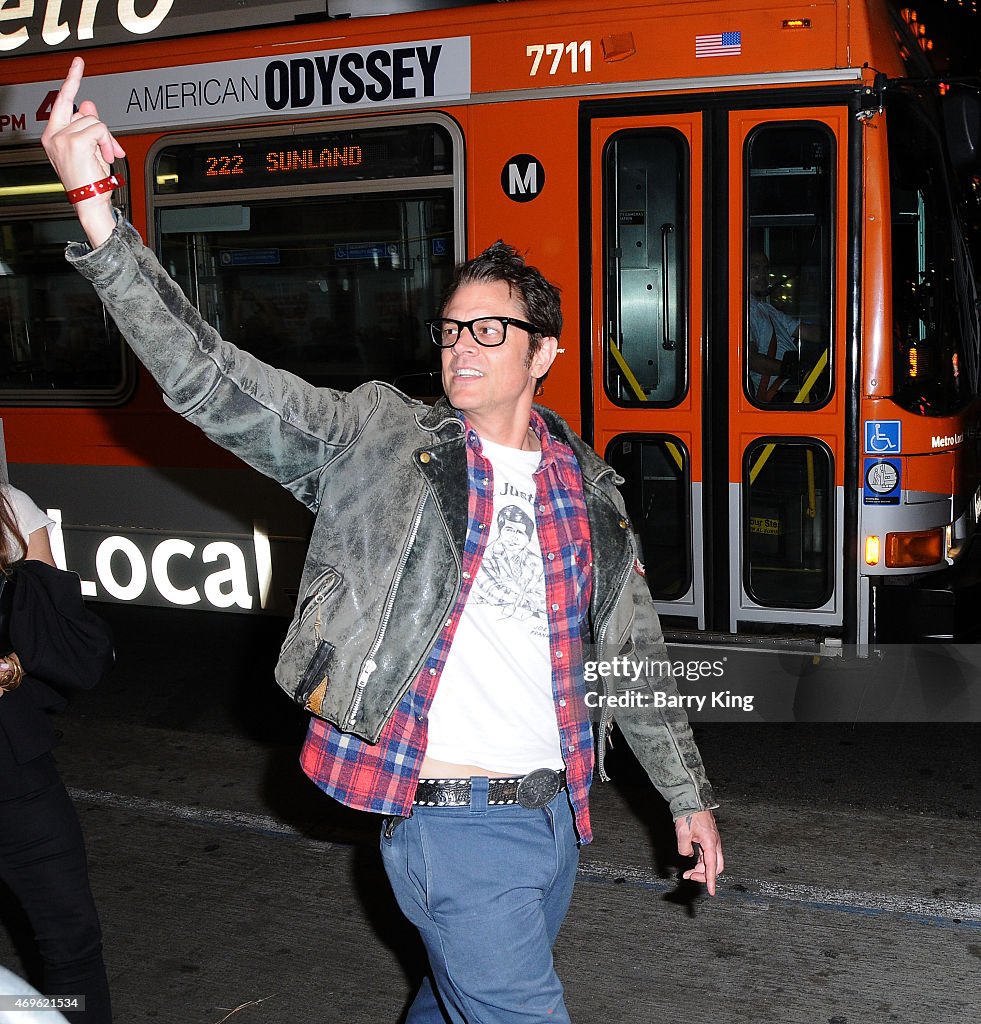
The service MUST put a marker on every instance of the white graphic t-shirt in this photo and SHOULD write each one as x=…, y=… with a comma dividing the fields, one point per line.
x=494, y=706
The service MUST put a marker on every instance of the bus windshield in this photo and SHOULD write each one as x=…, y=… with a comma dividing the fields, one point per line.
x=935, y=321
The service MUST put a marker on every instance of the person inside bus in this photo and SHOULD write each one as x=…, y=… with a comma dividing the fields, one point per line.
x=42, y=852
x=466, y=730
x=774, y=339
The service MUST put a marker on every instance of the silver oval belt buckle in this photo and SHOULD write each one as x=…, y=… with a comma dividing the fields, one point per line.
x=537, y=788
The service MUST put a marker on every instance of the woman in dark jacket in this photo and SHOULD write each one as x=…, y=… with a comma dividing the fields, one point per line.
x=42, y=853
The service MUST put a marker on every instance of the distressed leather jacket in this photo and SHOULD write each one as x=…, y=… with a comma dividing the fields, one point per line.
x=386, y=479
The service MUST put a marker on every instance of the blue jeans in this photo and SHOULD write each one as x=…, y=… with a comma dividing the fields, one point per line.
x=488, y=888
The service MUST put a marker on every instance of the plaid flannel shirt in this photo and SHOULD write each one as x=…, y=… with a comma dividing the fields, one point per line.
x=382, y=777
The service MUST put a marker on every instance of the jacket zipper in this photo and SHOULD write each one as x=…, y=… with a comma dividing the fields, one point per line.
x=606, y=717
x=369, y=666
x=604, y=728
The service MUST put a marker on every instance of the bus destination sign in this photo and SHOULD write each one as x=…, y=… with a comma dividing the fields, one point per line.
x=403, y=151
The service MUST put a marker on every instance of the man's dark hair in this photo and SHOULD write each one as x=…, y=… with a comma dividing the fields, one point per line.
x=540, y=298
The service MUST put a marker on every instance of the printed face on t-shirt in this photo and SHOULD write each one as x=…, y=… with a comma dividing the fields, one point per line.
x=514, y=536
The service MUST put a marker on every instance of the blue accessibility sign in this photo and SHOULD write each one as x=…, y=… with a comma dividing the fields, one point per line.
x=883, y=437
x=249, y=257
x=883, y=482
x=366, y=251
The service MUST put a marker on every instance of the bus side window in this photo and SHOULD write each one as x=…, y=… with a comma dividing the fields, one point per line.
x=789, y=256
x=789, y=516
x=645, y=197
x=323, y=252
x=57, y=346
x=657, y=492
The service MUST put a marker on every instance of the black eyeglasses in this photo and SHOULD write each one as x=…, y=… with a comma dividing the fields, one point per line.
x=489, y=331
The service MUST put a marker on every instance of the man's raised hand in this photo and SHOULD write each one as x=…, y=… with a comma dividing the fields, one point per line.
x=81, y=149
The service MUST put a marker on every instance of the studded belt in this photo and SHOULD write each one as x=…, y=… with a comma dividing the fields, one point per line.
x=532, y=790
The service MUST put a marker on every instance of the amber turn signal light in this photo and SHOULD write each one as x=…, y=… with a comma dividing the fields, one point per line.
x=904, y=550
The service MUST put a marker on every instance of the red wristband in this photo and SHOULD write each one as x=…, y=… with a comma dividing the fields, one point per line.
x=76, y=195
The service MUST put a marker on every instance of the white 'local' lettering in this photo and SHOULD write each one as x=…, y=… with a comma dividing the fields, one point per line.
x=124, y=571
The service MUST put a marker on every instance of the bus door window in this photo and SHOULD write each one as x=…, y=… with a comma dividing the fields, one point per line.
x=935, y=326
x=788, y=253
x=56, y=343
x=788, y=542
x=646, y=212
x=328, y=251
x=655, y=490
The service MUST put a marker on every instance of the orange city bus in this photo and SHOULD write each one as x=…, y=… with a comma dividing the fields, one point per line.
x=751, y=208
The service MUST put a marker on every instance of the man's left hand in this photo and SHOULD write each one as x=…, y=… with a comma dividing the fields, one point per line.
x=700, y=828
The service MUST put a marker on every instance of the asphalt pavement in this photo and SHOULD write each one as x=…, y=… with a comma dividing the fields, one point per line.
x=232, y=889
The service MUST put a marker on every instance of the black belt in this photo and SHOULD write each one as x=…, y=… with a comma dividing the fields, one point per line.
x=532, y=790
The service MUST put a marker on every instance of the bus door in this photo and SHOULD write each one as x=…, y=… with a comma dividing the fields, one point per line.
x=717, y=330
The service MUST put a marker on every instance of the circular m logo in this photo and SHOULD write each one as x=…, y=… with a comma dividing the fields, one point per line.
x=523, y=178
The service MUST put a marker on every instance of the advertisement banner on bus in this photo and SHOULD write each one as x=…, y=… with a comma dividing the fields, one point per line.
x=322, y=81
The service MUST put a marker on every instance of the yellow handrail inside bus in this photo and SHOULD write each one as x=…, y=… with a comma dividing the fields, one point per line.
x=802, y=396
x=641, y=396
x=627, y=372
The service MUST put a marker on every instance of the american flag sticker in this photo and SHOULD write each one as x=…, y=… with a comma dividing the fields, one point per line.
x=721, y=44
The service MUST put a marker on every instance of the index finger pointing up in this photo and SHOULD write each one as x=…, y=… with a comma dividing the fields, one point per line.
x=64, y=103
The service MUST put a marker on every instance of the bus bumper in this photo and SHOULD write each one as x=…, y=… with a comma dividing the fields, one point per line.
x=941, y=606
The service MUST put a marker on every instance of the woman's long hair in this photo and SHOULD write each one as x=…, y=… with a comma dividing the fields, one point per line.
x=11, y=540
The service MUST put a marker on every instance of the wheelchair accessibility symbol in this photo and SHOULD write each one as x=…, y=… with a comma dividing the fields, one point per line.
x=883, y=437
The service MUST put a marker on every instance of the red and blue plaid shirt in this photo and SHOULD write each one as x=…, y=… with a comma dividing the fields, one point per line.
x=382, y=777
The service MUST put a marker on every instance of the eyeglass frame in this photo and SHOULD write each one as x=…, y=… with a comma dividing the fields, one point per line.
x=506, y=321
